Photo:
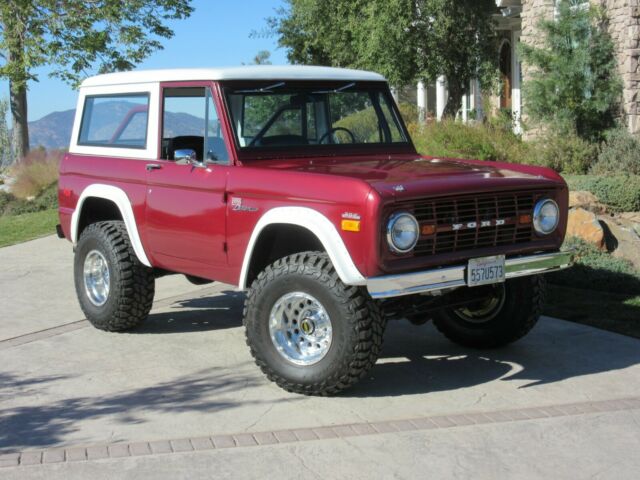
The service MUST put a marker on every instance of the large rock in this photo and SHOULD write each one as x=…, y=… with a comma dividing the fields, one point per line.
x=623, y=239
x=585, y=225
x=585, y=200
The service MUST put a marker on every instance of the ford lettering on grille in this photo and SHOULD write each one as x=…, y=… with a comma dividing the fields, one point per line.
x=455, y=224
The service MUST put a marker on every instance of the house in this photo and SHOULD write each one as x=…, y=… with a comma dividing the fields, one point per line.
x=517, y=21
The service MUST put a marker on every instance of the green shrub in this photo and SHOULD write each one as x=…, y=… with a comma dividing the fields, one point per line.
x=472, y=141
x=566, y=153
x=597, y=270
x=11, y=205
x=620, y=152
x=621, y=193
x=5, y=200
x=409, y=112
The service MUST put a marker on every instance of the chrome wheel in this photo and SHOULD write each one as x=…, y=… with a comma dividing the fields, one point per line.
x=96, y=278
x=300, y=328
x=485, y=310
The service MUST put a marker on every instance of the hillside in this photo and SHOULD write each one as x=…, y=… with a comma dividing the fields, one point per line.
x=54, y=130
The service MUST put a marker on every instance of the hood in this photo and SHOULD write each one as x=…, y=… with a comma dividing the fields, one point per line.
x=406, y=176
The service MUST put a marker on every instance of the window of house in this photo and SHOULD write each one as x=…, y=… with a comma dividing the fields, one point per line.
x=577, y=4
x=115, y=120
x=190, y=121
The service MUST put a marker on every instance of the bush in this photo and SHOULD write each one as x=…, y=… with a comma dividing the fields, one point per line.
x=620, y=152
x=34, y=173
x=408, y=112
x=597, y=270
x=11, y=205
x=620, y=193
x=454, y=139
x=566, y=153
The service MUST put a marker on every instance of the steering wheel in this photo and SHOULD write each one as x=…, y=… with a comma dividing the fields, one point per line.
x=334, y=130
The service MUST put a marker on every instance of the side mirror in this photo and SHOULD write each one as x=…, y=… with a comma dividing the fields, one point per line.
x=188, y=155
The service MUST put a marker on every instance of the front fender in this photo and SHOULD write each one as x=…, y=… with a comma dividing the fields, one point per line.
x=317, y=224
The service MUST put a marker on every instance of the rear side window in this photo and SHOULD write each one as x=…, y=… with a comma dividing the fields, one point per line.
x=118, y=121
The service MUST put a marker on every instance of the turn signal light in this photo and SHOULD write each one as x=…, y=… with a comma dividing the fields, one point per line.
x=351, y=225
x=524, y=219
x=428, y=229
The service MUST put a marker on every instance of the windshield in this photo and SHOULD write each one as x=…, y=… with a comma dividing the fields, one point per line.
x=276, y=114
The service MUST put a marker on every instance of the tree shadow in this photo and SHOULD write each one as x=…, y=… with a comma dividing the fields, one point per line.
x=419, y=360
x=200, y=314
x=48, y=424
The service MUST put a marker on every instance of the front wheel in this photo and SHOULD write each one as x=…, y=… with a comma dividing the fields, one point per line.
x=505, y=316
x=309, y=332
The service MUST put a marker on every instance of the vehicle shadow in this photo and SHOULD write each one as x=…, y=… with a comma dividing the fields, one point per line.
x=418, y=360
x=200, y=314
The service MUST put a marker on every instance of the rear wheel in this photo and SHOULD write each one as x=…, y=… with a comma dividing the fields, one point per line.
x=309, y=332
x=506, y=315
x=114, y=289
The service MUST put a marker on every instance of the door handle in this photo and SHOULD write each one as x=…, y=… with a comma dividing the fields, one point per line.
x=153, y=166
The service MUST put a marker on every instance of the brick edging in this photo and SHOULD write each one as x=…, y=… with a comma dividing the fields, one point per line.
x=216, y=442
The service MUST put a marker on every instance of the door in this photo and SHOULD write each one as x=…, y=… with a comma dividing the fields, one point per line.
x=505, y=74
x=185, y=205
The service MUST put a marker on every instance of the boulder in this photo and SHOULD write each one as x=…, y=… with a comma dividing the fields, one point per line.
x=585, y=225
x=623, y=239
x=585, y=200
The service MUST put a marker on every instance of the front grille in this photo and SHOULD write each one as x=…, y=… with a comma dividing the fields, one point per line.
x=497, y=219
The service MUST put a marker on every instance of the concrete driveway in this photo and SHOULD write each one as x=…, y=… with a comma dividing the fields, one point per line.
x=181, y=398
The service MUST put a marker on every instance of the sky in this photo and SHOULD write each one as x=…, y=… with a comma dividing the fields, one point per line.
x=217, y=34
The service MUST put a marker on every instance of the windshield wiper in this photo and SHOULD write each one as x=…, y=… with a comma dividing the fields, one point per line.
x=262, y=90
x=336, y=90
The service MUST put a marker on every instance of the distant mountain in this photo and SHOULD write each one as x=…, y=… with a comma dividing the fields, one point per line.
x=54, y=130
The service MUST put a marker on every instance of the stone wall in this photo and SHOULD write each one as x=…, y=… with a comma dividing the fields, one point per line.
x=624, y=26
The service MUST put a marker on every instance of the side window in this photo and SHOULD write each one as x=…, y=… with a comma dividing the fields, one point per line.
x=118, y=121
x=191, y=122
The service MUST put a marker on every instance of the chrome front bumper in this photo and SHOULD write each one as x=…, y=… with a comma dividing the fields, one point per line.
x=454, y=277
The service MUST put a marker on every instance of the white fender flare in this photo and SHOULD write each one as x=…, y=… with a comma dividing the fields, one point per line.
x=317, y=224
x=119, y=197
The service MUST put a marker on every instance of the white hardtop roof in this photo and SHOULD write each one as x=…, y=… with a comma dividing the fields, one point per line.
x=252, y=72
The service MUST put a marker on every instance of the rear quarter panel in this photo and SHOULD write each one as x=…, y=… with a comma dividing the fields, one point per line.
x=77, y=172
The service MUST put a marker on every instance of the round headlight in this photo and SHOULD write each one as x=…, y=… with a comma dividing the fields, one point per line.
x=402, y=232
x=546, y=216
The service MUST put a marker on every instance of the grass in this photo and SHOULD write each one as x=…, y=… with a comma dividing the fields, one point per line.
x=20, y=228
x=599, y=290
x=618, y=313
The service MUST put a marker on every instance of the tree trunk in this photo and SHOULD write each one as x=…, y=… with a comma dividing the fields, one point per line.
x=454, y=102
x=18, y=100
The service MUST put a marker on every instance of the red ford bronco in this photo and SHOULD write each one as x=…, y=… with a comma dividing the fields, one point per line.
x=300, y=185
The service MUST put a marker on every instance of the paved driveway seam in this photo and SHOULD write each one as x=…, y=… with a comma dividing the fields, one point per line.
x=77, y=325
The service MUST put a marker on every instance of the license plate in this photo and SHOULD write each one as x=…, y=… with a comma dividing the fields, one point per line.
x=485, y=271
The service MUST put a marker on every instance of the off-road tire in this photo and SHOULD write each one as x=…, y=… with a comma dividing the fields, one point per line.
x=524, y=299
x=357, y=323
x=132, y=285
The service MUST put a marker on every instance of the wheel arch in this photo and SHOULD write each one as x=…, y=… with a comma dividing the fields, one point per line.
x=314, y=229
x=119, y=199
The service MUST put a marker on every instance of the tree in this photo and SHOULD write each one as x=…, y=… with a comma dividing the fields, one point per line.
x=76, y=37
x=262, y=58
x=574, y=84
x=405, y=40
x=6, y=152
